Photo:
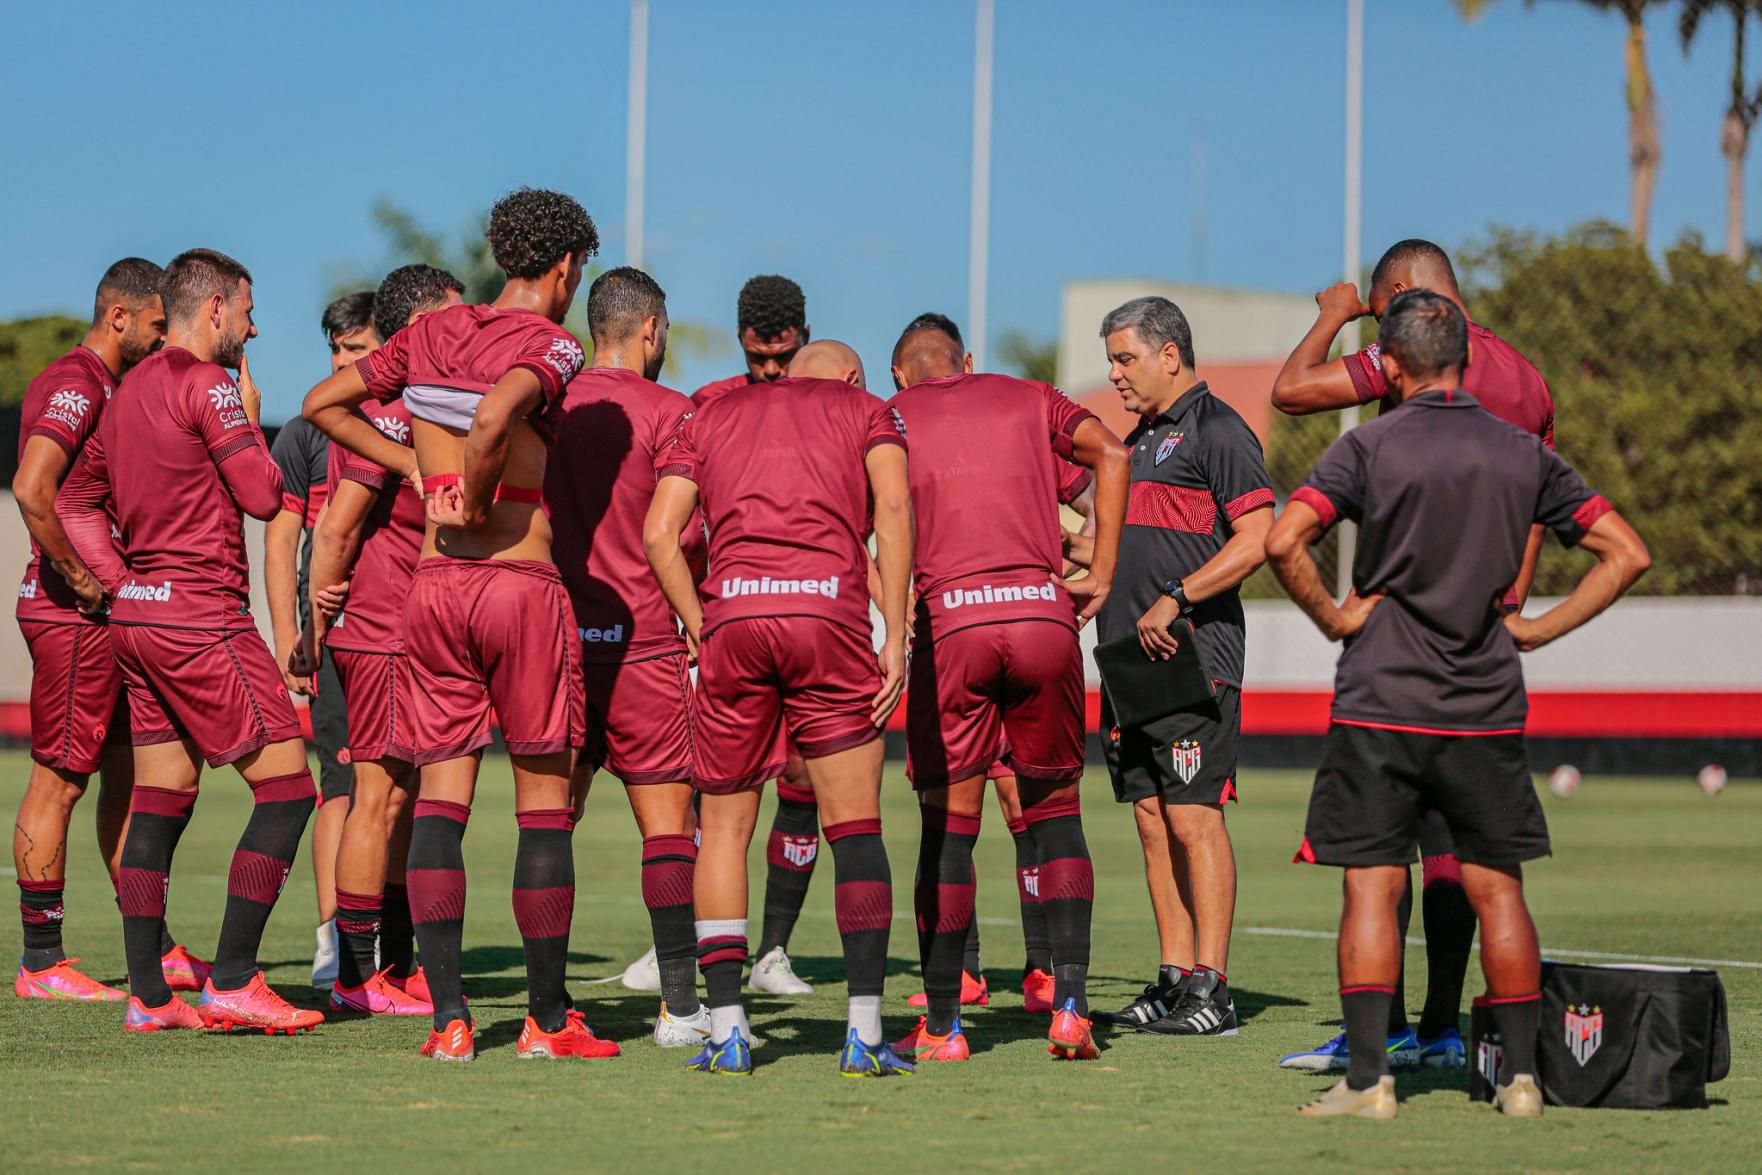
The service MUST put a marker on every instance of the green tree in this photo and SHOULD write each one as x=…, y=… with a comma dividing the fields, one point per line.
x=1028, y=357
x=1740, y=112
x=27, y=345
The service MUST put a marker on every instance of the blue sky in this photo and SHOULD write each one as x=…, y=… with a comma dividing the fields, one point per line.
x=828, y=141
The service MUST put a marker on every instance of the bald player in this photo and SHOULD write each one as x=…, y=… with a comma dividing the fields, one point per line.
x=786, y=475
x=1508, y=386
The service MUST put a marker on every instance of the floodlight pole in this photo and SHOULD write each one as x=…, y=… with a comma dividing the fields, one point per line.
x=636, y=132
x=979, y=227
x=1354, y=212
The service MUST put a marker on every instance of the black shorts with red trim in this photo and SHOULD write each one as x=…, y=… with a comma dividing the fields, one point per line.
x=1376, y=788
x=1185, y=758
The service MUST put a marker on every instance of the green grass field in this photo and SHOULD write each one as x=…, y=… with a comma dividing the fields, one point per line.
x=1642, y=868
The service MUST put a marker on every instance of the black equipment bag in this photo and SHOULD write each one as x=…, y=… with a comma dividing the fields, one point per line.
x=1618, y=1036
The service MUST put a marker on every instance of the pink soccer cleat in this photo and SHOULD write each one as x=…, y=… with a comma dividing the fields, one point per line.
x=174, y=1014
x=254, y=1006
x=183, y=971
x=63, y=982
x=379, y=995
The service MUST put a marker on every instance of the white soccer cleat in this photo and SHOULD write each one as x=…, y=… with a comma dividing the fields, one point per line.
x=678, y=1032
x=644, y=974
x=774, y=976
x=324, y=959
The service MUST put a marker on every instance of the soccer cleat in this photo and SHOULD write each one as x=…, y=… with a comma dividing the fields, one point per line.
x=324, y=959
x=183, y=971
x=254, y=1006
x=1157, y=1000
x=732, y=1058
x=1445, y=1051
x=1037, y=989
x=920, y=1045
x=1331, y=1057
x=1519, y=1099
x=774, y=976
x=1204, y=1009
x=61, y=981
x=574, y=1039
x=1070, y=1038
x=644, y=974
x=455, y=1042
x=857, y=1059
x=415, y=985
x=677, y=1032
x=1340, y=1102
x=174, y=1014
x=975, y=993
x=378, y=996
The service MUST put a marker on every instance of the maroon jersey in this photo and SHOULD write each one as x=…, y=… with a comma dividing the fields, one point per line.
x=1505, y=383
x=63, y=403
x=597, y=492
x=372, y=620
x=985, y=475
x=704, y=396
x=1073, y=481
x=444, y=362
x=779, y=471
x=182, y=463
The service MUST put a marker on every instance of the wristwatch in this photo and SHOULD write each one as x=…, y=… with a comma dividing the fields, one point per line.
x=1174, y=591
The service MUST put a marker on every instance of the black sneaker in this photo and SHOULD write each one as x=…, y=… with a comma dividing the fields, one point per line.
x=1158, y=1000
x=1204, y=1009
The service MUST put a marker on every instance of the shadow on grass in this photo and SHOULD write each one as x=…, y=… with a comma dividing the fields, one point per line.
x=830, y=968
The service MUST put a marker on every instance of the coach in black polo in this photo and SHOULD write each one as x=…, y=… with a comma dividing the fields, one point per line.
x=1429, y=703
x=1196, y=525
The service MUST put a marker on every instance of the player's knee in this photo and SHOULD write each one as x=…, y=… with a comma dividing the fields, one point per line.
x=50, y=788
x=294, y=789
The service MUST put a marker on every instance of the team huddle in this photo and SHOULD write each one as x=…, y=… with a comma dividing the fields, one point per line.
x=514, y=535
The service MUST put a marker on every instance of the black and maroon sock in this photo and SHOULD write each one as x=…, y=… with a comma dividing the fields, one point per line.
x=280, y=808
x=1067, y=894
x=943, y=895
x=1365, y=1008
x=1403, y=920
x=863, y=901
x=544, y=907
x=790, y=854
x=359, y=920
x=1518, y=1018
x=166, y=943
x=40, y=909
x=669, y=868
x=157, y=818
x=721, y=956
x=435, y=878
x=1449, y=926
x=397, y=936
x=1037, y=950
x=971, y=962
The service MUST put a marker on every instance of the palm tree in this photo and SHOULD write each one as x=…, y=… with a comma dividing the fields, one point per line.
x=1643, y=149
x=1740, y=115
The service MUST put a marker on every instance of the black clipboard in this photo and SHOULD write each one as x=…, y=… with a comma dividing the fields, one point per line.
x=1142, y=689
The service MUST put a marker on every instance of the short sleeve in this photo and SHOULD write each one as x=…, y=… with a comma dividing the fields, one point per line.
x=1073, y=482
x=552, y=355
x=886, y=426
x=677, y=455
x=385, y=370
x=69, y=416
x=1234, y=468
x=1335, y=488
x=289, y=454
x=1366, y=373
x=1063, y=417
x=216, y=410
x=1566, y=505
x=393, y=423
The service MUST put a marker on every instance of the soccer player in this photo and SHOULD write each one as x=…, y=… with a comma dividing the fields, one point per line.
x=79, y=715
x=303, y=453
x=1510, y=388
x=367, y=540
x=487, y=623
x=638, y=685
x=996, y=656
x=178, y=459
x=1429, y=704
x=787, y=475
x=1200, y=508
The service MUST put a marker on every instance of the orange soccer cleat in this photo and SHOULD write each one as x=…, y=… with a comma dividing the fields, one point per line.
x=975, y=993
x=574, y=1039
x=455, y=1042
x=183, y=971
x=254, y=1006
x=1069, y=1038
x=1037, y=989
x=379, y=995
x=62, y=981
x=415, y=985
x=174, y=1014
x=920, y=1045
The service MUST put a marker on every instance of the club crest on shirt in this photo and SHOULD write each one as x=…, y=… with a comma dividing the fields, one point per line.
x=1169, y=444
x=1584, y=1032
x=1188, y=756
x=393, y=428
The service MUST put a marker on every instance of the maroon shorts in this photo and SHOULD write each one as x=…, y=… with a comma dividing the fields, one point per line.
x=77, y=701
x=376, y=695
x=753, y=676
x=491, y=635
x=1013, y=689
x=221, y=691
x=639, y=719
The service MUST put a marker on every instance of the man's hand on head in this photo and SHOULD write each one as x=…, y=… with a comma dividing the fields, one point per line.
x=1341, y=299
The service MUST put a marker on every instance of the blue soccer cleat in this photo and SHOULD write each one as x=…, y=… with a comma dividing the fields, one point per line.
x=862, y=1060
x=732, y=1058
x=1331, y=1057
x=1445, y=1051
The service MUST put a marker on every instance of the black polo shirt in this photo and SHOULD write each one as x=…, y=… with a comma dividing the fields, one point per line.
x=1195, y=469
x=1444, y=493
